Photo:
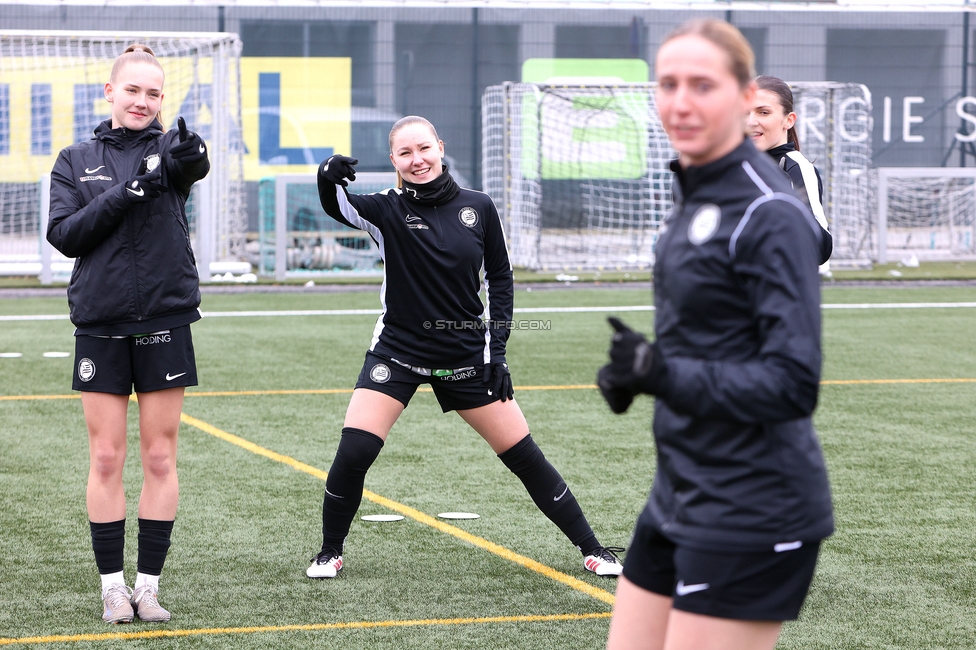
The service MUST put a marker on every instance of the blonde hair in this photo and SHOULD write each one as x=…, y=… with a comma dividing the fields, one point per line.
x=724, y=36
x=137, y=53
x=407, y=121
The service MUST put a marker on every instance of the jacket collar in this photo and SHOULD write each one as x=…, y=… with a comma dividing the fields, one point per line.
x=781, y=150
x=440, y=190
x=690, y=178
x=120, y=136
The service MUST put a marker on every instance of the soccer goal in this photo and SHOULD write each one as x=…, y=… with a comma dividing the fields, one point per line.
x=297, y=239
x=580, y=172
x=928, y=213
x=51, y=96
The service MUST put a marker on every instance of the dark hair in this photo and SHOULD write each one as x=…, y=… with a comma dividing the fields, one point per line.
x=407, y=121
x=725, y=37
x=782, y=91
x=137, y=53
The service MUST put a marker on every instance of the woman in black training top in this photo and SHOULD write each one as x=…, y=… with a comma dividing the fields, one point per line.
x=772, y=127
x=435, y=238
x=725, y=549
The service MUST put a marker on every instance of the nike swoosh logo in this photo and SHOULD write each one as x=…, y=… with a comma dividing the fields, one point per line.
x=410, y=218
x=683, y=590
x=92, y=171
x=170, y=377
x=139, y=192
x=561, y=495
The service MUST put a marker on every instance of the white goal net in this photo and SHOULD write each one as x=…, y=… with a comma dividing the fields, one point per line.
x=926, y=213
x=580, y=173
x=51, y=96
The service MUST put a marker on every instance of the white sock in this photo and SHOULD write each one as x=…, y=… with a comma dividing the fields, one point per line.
x=110, y=579
x=146, y=579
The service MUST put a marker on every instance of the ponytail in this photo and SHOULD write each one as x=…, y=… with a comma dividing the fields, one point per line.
x=791, y=136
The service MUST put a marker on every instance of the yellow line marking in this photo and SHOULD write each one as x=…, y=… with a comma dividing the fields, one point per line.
x=407, y=511
x=427, y=389
x=346, y=391
x=848, y=382
x=236, y=393
x=355, y=625
x=13, y=398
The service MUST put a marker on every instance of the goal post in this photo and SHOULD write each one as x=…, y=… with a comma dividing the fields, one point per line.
x=51, y=96
x=581, y=178
x=926, y=212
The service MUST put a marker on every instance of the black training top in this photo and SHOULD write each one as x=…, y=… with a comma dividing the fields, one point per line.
x=135, y=272
x=434, y=240
x=809, y=187
x=737, y=298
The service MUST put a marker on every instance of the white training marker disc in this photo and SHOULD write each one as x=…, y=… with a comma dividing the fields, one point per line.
x=11, y=355
x=458, y=515
x=382, y=517
x=56, y=355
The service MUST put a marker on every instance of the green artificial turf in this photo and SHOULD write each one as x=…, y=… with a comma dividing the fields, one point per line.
x=899, y=573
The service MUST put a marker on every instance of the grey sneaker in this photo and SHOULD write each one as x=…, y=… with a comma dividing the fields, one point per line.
x=146, y=603
x=118, y=609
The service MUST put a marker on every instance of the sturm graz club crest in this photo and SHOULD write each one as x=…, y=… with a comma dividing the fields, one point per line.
x=86, y=369
x=469, y=217
x=704, y=224
x=380, y=373
x=149, y=163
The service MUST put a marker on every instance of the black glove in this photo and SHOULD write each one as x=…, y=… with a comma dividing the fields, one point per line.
x=618, y=399
x=498, y=375
x=634, y=367
x=191, y=148
x=146, y=186
x=337, y=169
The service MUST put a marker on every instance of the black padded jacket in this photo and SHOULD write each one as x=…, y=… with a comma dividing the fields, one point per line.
x=134, y=270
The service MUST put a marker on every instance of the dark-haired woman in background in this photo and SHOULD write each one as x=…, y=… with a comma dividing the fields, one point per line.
x=772, y=127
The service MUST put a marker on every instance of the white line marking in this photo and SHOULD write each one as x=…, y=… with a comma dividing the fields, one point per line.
x=518, y=310
x=899, y=305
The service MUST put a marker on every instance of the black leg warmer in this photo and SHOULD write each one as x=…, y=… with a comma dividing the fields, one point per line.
x=108, y=542
x=344, y=486
x=550, y=492
x=154, y=536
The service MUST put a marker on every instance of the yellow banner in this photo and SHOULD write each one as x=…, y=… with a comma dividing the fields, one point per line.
x=295, y=111
x=51, y=108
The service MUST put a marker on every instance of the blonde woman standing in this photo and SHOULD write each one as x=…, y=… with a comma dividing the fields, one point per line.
x=118, y=207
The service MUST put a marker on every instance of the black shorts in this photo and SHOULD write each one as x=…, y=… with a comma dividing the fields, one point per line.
x=767, y=585
x=148, y=362
x=456, y=389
